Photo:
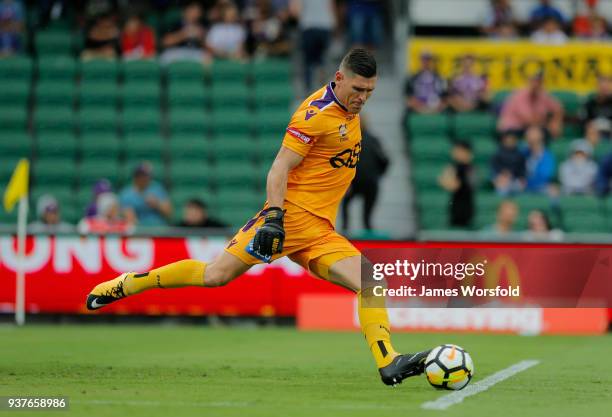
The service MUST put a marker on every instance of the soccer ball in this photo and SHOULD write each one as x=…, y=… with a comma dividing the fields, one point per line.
x=449, y=367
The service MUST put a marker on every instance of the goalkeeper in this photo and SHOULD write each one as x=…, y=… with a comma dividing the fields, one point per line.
x=311, y=173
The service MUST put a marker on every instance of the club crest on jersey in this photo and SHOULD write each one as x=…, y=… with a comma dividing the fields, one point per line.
x=343, y=130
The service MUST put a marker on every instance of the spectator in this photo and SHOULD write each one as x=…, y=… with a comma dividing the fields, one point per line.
x=540, y=162
x=505, y=32
x=102, y=38
x=539, y=227
x=226, y=38
x=195, y=214
x=549, y=33
x=543, y=12
x=137, y=40
x=11, y=27
x=507, y=213
x=365, y=23
x=500, y=15
x=426, y=91
x=529, y=106
x=145, y=202
x=107, y=219
x=508, y=167
x=599, y=30
x=100, y=187
x=316, y=19
x=49, y=217
x=604, y=176
x=599, y=105
x=373, y=164
x=185, y=39
x=459, y=179
x=577, y=173
x=588, y=23
x=468, y=91
x=268, y=31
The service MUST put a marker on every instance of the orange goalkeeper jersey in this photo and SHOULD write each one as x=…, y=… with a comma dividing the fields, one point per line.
x=329, y=139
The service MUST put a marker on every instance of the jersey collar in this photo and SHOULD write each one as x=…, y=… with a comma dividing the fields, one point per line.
x=330, y=90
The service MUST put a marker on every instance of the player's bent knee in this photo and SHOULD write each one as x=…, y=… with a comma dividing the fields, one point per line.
x=217, y=276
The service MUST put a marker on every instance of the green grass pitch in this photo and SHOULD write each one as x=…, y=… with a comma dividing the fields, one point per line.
x=128, y=370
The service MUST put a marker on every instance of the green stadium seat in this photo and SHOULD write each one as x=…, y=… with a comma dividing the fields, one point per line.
x=146, y=120
x=593, y=223
x=229, y=72
x=15, y=93
x=55, y=171
x=231, y=122
x=141, y=94
x=560, y=149
x=570, y=100
x=528, y=202
x=17, y=68
x=189, y=148
x=240, y=197
x=54, y=119
x=474, y=124
x=183, y=194
x=272, y=71
x=271, y=125
x=13, y=119
x=233, y=148
x=8, y=163
x=273, y=96
x=435, y=200
x=572, y=130
x=234, y=97
x=185, y=71
x=266, y=150
x=187, y=94
x=93, y=169
x=430, y=149
x=100, y=145
x=53, y=42
x=236, y=216
x=99, y=70
x=57, y=68
x=425, y=177
x=144, y=146
x=193, y=121
x=230, y=173
x=60, y=144
x=104, y=92
x=55, y=92
x=602, y=149
x=500, y=97
x=428, y=125
x=182, y=175
x=141, y=70
x=16, y=144
x=484, y=149
x=98, y=119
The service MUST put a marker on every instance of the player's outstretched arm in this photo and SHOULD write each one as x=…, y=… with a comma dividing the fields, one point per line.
x=270, y=237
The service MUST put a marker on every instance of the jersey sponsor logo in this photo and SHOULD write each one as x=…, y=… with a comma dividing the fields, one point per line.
x=299, y=135
x=347, y=158
x=309, y=114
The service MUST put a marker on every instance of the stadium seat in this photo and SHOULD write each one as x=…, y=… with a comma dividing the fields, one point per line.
x=193, y=121
x=189, y=148
x=100, y=145
x=53, y=42
x=16, y=145
x=266, y=150
x=144, y=146
x=271, y=125
x=484, y=149
x=230, y=96
x=272, y=71
x=15, y=93
x=560, y=149
x=99, y=70
x=146, y=120
x=500, y=97
x=433, y=199
x=229, y=72
x=233, y=148
x=231, y=122
x=185, y=71
x=187, y=95
x=570, y=100
x=141, y=95
x=430, y=149
x=53, y=118
x=428, y=125
x=17, y=68
x=426, y=176
x=60, y=144
x=57, y=68
x=474, y=124
x=55, y=92
x=190, y=175
x=239, y=197
x=55, y=171
x=141, y=70
x=230, y=173
x=181, y=195
x=273, y=96
x=236, y=216
x=98, y=119
x=13, y=119
x=602, y=149
x=98, y=92
x=8, y=163
x=93, y=169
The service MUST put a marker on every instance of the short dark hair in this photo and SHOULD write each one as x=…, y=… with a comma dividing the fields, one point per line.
x=360, y=61
x=463, y=144
x=197, y=203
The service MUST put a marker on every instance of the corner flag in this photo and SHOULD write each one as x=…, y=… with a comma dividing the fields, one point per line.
x=18, y=185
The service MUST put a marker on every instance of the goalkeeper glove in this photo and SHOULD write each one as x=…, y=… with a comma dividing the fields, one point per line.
x=270, y=237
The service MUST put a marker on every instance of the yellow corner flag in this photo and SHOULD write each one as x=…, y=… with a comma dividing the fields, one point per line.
x=18, y=185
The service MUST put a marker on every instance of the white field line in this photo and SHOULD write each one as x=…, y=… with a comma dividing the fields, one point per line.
x=456, y=397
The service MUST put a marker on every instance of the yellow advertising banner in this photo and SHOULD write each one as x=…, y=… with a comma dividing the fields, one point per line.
x=573, y=66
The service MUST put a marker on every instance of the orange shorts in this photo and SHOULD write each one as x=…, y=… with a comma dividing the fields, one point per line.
x=310, y=241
